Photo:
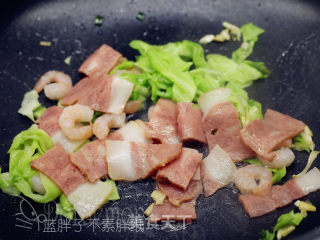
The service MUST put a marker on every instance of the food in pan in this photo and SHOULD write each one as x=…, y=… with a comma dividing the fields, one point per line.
x=71, y=150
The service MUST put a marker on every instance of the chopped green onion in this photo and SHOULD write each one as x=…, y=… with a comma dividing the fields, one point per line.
x=98, y=20
x=141, y=16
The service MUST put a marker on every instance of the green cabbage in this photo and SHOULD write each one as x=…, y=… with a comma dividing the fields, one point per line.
x=250, y=33
x=30, y=105
x=27, y=146
x=284, y=220
x=304, y=142
x=65, y=207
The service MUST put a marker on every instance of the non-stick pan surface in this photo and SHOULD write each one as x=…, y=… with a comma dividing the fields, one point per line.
x=290, y=47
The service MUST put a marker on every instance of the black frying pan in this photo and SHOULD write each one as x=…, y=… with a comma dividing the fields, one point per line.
x=290, y=48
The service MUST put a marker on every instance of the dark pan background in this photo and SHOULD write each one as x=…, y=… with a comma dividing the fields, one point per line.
x=290, y=47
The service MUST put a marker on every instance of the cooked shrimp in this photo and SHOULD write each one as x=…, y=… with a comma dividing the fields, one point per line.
x=103, y=123
x=60, y=85
x=283, y=158
x=70, y=122
x=133, y=106
x=246, y=180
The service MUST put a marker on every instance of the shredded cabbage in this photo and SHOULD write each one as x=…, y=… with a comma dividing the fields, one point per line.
x=30, y=105
x=27, y=146
x=65, y=207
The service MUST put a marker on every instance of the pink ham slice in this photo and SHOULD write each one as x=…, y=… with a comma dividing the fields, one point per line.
x=264, y=136
x=222, y=127
x=189, y=123
x=280, y=196
x=48, y=121
x=57, y=166
x=101, y=62
x=130, y=161
x=91, y=160
x=93, y=92
x=178, y=195
x=101, y=93
x=162, y=124
x=180, y=171
x=167, y=211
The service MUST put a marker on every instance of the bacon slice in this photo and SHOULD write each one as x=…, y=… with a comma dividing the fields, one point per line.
x=85, y=197
x=216, y=170
x=133, y=131
x=189, y=123
x=181, y=170
x=130, y=161
x=101, y=62
x=162, y=124
x=91, y=160
x=48, y=121
x=103, y=93
x=280, y=196
x=222, y=127
x=264, y=136
x=57, y=166
x=178, y=195
x=167, y=211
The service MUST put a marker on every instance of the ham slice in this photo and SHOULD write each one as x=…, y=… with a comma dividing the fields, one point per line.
x=222, y=127
x=264, y=136
x=133, y=131
x=85, y=197
x=162, y=124
x=178, y=195
x=49, y=122
x=280, y=196
x=101, y=62
x=189, y=123
x=57, y=166
x=167, y=211
x=216, y=170
x=130, y=161
x=180, y=171
x=103, y=93
x=91, y=160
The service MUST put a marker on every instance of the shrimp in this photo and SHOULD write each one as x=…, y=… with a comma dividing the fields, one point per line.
x=60, y=87
x=283, y=158
x=103, y=123
x=246, y=180
x=133, y=106
x=70, y=120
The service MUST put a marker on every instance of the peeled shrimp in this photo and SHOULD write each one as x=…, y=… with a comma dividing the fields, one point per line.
x=283, y=158
x=133, y=106
x=103, y=123
x=56, y=84
x=70, y=122
x=246, y=180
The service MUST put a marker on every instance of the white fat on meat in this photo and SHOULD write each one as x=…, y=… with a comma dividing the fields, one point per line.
x=66, y=143
x=120, y=92
x=88, y=197
x=210, y=99
x=217, y=170
x=120, y=162
x=284, y=157
x=310, y=181
x=132, y=131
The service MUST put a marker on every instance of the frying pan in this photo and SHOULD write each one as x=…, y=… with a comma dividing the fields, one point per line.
x=290, y=47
